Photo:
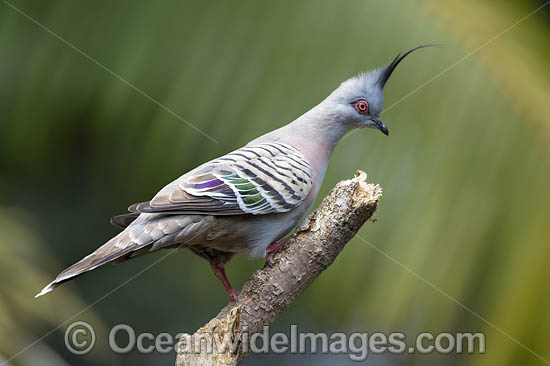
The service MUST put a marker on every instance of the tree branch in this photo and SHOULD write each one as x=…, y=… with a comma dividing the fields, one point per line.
x=269, y=291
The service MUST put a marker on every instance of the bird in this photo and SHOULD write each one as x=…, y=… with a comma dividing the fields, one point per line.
x=250, y=200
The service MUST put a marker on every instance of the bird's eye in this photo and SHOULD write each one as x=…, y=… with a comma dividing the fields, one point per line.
x=361, y=106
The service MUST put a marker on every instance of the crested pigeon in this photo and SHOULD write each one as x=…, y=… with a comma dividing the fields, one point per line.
x=250, y=199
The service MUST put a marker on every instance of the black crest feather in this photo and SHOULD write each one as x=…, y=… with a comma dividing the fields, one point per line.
x=387, y=71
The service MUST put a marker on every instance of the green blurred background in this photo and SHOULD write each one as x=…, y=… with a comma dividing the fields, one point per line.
x=465, y=171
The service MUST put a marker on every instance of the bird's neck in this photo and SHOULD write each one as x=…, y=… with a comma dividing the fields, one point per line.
x=318, y=127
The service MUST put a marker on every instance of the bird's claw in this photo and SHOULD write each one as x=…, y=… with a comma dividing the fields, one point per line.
x=269, y=260
x=272, y=249
x=232, y=295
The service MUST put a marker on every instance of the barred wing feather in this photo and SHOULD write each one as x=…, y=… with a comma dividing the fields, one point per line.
x=259, y=179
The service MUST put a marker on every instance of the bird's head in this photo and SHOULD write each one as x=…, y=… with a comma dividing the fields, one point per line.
x=358, y=101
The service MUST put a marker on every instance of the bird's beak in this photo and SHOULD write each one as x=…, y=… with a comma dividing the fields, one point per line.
x=381, y=126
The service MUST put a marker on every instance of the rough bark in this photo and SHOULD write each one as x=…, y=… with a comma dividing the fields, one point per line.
x=269, y=291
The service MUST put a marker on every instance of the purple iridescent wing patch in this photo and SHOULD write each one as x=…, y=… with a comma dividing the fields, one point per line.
x=209, y=184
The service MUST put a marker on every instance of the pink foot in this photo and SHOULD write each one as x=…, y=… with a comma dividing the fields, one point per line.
x=272, y=249
x=219, y=271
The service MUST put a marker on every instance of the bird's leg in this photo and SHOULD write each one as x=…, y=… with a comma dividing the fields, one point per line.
x=272, y=249
x=219, y=271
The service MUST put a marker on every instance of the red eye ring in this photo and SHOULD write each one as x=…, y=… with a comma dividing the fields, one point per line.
x=361, y=106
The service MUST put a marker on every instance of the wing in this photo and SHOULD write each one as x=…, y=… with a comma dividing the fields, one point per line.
x=259, y=179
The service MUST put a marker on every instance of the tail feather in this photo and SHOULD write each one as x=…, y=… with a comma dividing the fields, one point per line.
x=46, y=289
x=79, y=268
x=115, y=249
x=146, y=233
